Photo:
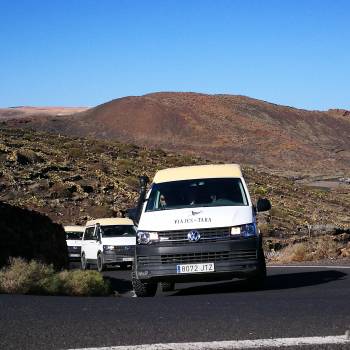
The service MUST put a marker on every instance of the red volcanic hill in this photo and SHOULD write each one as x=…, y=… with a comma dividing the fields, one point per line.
x=221, y=127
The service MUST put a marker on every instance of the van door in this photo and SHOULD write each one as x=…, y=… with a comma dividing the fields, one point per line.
x=89, y=242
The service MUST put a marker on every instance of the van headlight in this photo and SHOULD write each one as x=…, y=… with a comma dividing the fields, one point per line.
x=146, y=237
x=247, y=230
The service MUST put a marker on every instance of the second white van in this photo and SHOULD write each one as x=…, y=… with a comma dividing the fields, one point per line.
x=108, y=241
x=73, y=240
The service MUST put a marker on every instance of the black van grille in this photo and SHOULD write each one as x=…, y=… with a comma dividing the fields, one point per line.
x=125, y=250
x=207, y=235
x=189, y=258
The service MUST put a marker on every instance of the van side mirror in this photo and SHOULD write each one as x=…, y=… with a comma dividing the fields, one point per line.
x=98, y=232
x=144, y=180
x=263, y=204
x=131, y=213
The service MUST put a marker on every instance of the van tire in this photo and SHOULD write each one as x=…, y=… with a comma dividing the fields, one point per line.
x=168, y=286
x=143, y=289
x=258, y=281
x=84, y=264
x=99, y=262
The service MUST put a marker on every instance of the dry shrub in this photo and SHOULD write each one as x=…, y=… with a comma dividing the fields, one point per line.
x=28, y=156
x=345, y=252
x=295, y=252
x=261, y=191
x=317, y=249
x=325, y=248
x=22, y=277
x=81, y=283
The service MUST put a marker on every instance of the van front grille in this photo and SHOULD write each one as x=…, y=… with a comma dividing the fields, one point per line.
x=125, y=250
x=207, y=235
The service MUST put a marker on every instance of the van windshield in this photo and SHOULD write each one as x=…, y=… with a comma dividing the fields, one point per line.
x=74, y=235
x=118, y=231
x=197, y=193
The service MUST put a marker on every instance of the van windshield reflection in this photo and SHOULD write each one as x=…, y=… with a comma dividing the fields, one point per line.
x=118, y=231
x=74, y=235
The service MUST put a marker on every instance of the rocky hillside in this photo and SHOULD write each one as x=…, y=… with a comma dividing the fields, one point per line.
x=75, y=179
x=219, y=127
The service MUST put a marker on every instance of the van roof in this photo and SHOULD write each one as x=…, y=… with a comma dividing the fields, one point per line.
x=74, y=228
x=198, y=172
x=110, y=221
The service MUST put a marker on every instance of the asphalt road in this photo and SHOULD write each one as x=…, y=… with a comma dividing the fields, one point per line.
x=297, y=302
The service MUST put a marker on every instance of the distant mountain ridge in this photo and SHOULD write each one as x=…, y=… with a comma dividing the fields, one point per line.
x=19, y=112
x=226, y=127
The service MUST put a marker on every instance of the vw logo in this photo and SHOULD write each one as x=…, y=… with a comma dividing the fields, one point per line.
x=193, y=236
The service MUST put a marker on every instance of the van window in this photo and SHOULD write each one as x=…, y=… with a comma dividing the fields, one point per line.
x=89, y=233
x=197, y=193
x=118, y=231
x=73, y=235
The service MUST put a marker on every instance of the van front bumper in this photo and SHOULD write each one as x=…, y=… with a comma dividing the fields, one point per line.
x=74, y=253
x=231, y=258
x=120, y=254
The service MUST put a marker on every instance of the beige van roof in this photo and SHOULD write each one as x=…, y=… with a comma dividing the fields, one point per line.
x=74, y=228
x=198, y=172
x=110, y=221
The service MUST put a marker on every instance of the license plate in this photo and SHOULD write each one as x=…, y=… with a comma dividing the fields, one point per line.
x=195, y=268
x=74, y=255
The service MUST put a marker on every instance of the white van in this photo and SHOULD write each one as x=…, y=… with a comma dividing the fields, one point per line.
x=197, y=223
x=73, y=239
x=108, y=241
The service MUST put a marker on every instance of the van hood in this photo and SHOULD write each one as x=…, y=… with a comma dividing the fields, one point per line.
x=119, y=241
x=191, y=218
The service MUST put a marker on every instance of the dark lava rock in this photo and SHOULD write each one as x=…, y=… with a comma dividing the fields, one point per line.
x=31, y=235
x=88, y=187
x=62, y=190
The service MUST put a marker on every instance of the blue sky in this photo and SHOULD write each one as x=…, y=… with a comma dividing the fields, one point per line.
x=86, y=52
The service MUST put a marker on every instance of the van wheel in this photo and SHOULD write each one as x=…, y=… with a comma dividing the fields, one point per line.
x=168, y=286
x=143, y=289
x=257, y=281
x=100, y=265
x=84, y=264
